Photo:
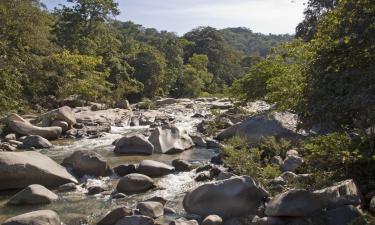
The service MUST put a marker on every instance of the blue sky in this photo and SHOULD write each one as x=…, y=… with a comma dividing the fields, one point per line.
x=264, y=16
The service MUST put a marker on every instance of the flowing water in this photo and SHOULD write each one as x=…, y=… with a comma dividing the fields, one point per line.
x=79, y=208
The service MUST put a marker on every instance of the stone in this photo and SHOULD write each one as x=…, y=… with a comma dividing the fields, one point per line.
x=199, y=140
x=343, y=215
x=170, y=140
x=7, y=147
x=134, y=121
x=169, y=211
x=212, y=220
x=64, y=113
x=123, y=170
x=203, y=176
x=256, y=128
x=119, y=196
x=34, y=194
x=294, y=203
x=211, y=143
x=58, y=123
x=153, y=168
x=162, y=200
x=291, y=163
x=151, y=209
x=87, y=163
x=41, y=217
x=9, y=137
x=21, y=169
x=123, y=104
x=96, y=189
x=134, y=183
x=340, y=194
x=292, y=152
x=166, y=101
x=115, y=215
x=267, y=221
x=67, y=187
x=35, y=141
x=135, y=220
x=181, y=165
x=237, y=196
x=276, y=160
x=372, y=205
x=21, y=126
x=134, y=144
x=183, y=221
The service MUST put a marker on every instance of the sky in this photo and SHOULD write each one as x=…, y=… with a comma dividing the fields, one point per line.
x=180, y=16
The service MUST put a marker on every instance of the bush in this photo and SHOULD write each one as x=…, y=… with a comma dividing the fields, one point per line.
x=271, y=171
x=146, y=103
x=271, y=147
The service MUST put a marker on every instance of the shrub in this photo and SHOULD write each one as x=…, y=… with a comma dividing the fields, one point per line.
x=271, y=147
x=146, y=103
x=271, y=171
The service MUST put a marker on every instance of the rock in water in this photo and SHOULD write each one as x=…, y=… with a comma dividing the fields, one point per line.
x=134, y=144
x=238, y=196
x=34, y=141
x=88, y=163
x=212, y=220
x=153, y=168
x=64, y=113
x=170, y=140
x=254, y=129
x=151, y=209
x=181, y=165
x=183, y=221
x=134, y=183
x=135, y=220
x=33, y=195
x=294, y=203
x=115, y=215
x=21, y=169
x=41, y=217
x=20, y=126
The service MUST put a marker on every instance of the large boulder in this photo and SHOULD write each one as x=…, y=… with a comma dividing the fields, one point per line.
x=33, y=195
x=151, y=209
x=342, y=193
x=87, y=163
x=255, y=129
x=41, y=217
x=115, y=215
x=21, y=169
x=136, y=220
x=35, y=141
x=64, y=113
x=344, y=215
x=134, y=183
x=233, y=197
x=134, y=144
x=23, y=127
x=291, y=163
x=296, y=203
x=154, y=169
x=170, y=140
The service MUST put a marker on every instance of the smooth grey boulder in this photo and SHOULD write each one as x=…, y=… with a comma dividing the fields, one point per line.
x=343, y=215
x=181, y=165
x=34, y=194
x=294, y=203
x=58, y=123
x=199, y=140
x=115, y=215
x=170, y=140
x=134, y=144
x=212, y=220
x=134, y=183
x=183, y=221
x=21, y=169
x=87, y=163
x=10, y=137
x=123, y=104
x=256, y=128
x=237, y=196
x=159, y=199
x=21, y=126
x=151, y=209
x=291, y=163
x=41, y=217
x=35, y=141
x=123, y=170
x=136, y=220
x=64, y=113
x=343, y=193
x=153, y=168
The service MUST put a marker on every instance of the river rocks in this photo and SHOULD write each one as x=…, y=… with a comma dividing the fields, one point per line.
x=159, y=199
x=20, y=169
x=181, y=165
x=296, y=202
x=237, y=196
x=254, y=129
x=115, y=215
x=340, y=194
x=154, y=169
x=267, y=221
x=151, y=209
x=123, y=104
x=212, y=220
x=166, y=101
x=135, y=220
x=199, y=140
x=58, y=123
x=183, y=221
x=33, y=195
x=134, y=144
x=67, y=187
x=123, y=170
x=170, y=140
x=35, y=141
x=21, y=126
x=134, y=183
x=342, y=216
x=64, y=113
x=87, y=163
x=169, y=211
x=41, y=217
x=9, y=137
x=291, y=163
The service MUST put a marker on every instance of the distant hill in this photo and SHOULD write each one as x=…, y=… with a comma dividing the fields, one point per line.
x=244, y=40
